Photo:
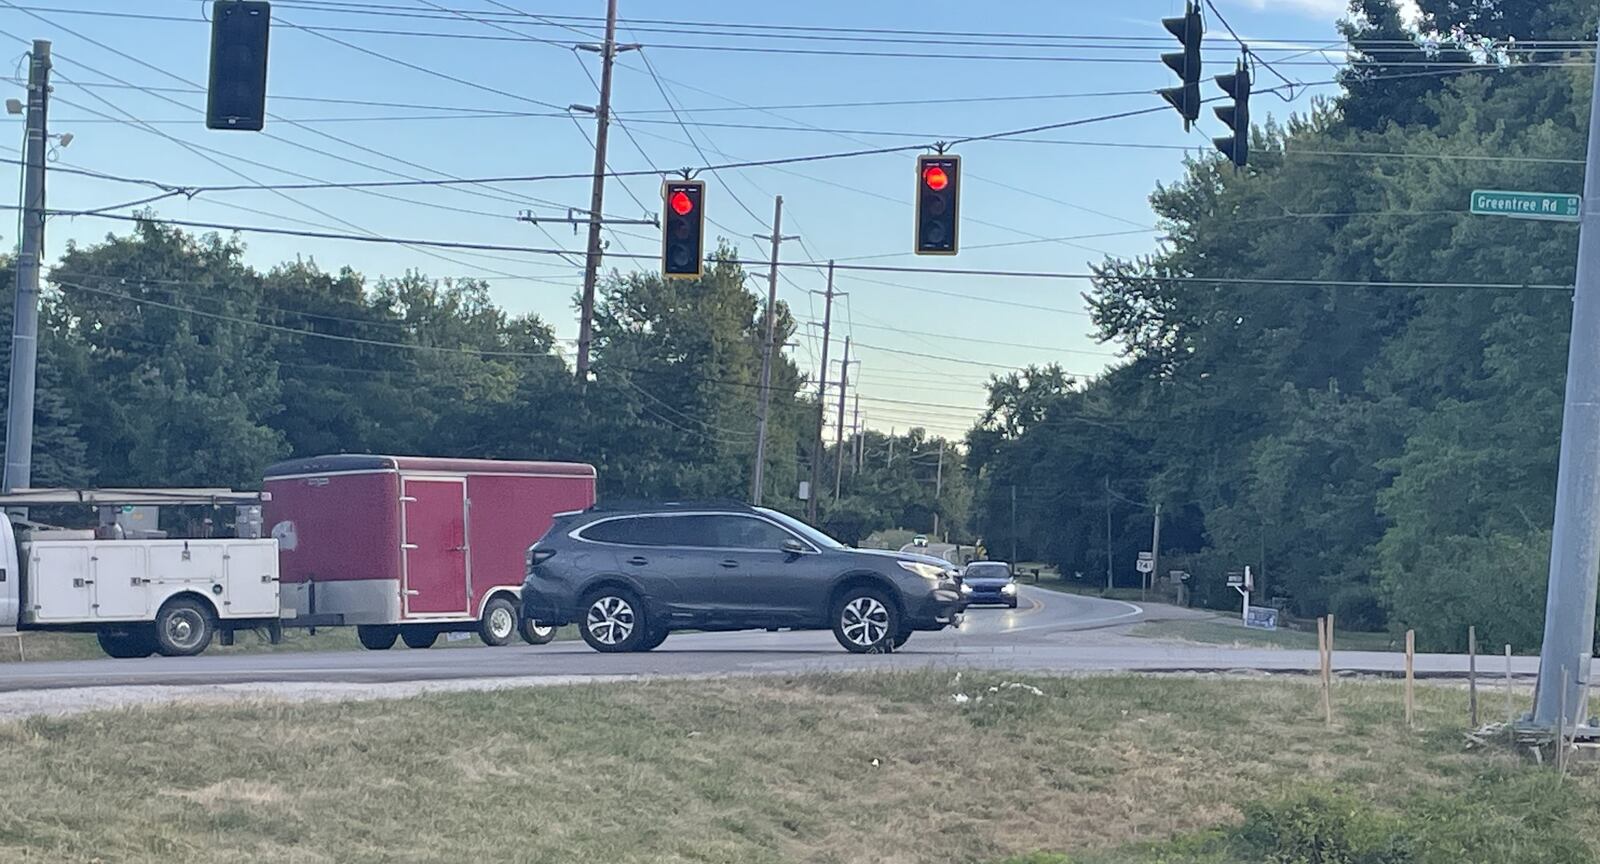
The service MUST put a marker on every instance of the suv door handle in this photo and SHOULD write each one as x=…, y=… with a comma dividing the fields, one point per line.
x=638, y=561
x=729, y=563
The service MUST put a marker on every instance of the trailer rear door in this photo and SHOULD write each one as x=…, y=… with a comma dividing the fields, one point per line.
x=436, y=553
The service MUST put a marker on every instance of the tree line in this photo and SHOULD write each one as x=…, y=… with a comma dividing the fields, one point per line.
x=166, y=360
x=1386, y=452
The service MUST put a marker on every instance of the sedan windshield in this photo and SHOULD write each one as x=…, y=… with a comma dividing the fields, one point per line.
x=817, y=537
x=988, y=571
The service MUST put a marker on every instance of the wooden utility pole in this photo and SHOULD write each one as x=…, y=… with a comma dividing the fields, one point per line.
x=838, y=443
x=25, y=317
x=769, y=354
x=938, y=488
x=597, y=193
x=822, y=398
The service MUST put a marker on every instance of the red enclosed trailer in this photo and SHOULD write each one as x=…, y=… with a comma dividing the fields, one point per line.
x=411, y=547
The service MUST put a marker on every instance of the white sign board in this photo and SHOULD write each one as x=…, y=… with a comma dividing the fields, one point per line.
x=1145, y=566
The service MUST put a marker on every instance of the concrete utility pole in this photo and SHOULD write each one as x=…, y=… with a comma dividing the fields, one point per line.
x=838, y=443
x=938, y=487
x=769, y=352
x=861, y=445
x=1013, y=525
x=889, y=463
x=30, y=251
x=822, y=397
x=597, y=195
x=1575, y=546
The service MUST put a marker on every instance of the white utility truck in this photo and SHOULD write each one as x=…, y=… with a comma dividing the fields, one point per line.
x=139, y=591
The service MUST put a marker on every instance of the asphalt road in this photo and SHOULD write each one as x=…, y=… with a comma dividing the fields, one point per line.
x=1046, y=635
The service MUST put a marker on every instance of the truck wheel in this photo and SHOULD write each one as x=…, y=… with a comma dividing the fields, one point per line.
x=534, y=633
x=184, y=627
x=418, y=637
x=377, y=637
x=137, y=641
x=499, y=622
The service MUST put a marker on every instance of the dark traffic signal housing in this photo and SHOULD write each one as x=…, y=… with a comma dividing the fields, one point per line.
x=1186, y=96
x=1237, y=116
x=683, y=228
x=237, y=95
x=938, y=204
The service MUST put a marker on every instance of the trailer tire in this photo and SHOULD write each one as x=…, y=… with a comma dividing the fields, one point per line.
x=184, y=627
x=377, y=637
x=534, y=633
x=419, y=637
x=135, y=642
x=499, y=623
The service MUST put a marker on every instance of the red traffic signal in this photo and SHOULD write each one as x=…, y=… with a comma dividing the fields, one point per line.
x=938, y=194
x=683, y=226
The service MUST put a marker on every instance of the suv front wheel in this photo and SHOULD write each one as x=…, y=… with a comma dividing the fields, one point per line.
x=614, y=621
x=865, y=621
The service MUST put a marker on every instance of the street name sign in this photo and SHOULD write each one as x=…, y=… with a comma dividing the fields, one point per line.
x=1527, y=205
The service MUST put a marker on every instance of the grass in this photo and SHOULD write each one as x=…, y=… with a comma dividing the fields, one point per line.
x=889, y=768
x=1231, y=632
x=82, y=646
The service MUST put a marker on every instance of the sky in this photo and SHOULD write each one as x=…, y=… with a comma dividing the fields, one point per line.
x=482, y=93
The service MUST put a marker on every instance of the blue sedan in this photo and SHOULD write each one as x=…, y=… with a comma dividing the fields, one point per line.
x=992, y=583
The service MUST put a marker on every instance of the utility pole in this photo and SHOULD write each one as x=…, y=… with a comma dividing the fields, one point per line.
x=889, y=463
x=822, y=397
x=597, y=195
x=838, y=444
x=861, y=446
x=1013, y=525
x=769, y=352
x=938, y=489
x=1155, y=550
x=1110, y=583
x=30, y=251
x=1562, y=692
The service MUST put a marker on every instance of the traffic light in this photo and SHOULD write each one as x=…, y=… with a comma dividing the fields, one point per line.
x=1236, y=146
x=683, y=228
x=1186, y=96
x=938, y=203
x=237, y=95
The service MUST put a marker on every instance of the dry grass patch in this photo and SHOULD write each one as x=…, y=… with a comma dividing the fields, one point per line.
x=820, y=768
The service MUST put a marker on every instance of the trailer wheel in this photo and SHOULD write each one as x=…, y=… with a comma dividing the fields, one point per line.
x=499, y=622
x=534, y=633
x=137, y=641
x=377, y=637
x=184, y=627
x=419, y=637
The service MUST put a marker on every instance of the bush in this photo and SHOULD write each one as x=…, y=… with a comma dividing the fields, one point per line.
x=1321, y=829
x=1357, y=607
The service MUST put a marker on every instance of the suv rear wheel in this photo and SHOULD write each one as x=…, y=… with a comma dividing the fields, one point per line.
x=864, y=621
x=614, y=621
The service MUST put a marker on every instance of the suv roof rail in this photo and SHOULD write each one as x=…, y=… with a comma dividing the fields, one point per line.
x=625, y=505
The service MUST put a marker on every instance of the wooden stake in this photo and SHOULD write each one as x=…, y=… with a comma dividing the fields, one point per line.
x=1322, y=671
x=1561, y=728
x=1472, y=676
x=1509, y=709
x=1411, y=678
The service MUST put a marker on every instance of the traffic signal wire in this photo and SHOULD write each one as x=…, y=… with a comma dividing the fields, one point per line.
x=1287, y=97
x=816, y=265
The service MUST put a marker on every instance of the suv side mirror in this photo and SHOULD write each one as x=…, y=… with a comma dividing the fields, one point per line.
x=792, y=547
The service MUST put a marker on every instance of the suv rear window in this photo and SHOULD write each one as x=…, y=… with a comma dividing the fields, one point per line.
x=635, y=531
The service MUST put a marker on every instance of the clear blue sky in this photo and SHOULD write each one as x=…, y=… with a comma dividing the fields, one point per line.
x=844, y=209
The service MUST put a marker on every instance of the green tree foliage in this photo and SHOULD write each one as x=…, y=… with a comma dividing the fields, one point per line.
x=1381, y=452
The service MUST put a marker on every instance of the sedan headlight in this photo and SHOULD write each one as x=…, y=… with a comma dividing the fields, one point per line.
x=965, y=589
x=927, y=571
x=1008, y=588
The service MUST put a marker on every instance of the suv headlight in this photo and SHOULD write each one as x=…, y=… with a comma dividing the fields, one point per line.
x=932, y=572
x=1008, y=588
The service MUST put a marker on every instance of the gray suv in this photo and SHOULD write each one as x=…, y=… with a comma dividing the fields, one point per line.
x=628, y=577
